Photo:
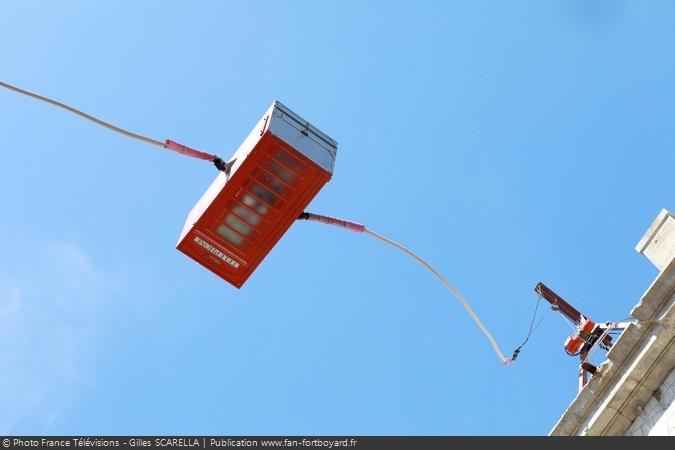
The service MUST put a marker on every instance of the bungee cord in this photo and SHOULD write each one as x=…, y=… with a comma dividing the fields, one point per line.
x=167, y=144
x=89, y=117
x=360, y=228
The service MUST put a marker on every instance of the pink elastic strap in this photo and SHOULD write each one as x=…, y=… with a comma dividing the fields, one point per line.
x=187, y=151
x=353, y=226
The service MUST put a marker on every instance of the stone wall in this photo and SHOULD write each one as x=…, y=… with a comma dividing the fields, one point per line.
x=657, y=418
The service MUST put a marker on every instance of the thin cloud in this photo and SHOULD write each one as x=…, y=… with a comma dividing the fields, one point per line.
x=53, y=304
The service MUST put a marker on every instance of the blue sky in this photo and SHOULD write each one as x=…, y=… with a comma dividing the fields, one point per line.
x=506, y=142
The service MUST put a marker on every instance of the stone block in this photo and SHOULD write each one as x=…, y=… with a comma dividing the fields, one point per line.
x=658, y=243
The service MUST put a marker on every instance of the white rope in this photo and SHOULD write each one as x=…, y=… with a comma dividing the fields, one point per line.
x=97, y=121
x=451, y=288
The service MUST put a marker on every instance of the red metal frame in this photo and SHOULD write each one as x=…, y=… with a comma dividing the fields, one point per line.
x=253, y=209
x=588, y=333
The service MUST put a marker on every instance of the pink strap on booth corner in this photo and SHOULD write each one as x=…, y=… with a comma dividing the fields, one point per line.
x=353, y=226
x=187, y=151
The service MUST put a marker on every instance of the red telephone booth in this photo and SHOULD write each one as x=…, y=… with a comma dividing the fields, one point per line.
x=277, y=171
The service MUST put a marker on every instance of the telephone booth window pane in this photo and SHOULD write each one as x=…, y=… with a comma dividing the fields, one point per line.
x=254, y=204
x=263, y=194
x=272, y=182
x=276, y=169
x=229, y=235
x=246, y=214
x=288, y=161
x=238, y=225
